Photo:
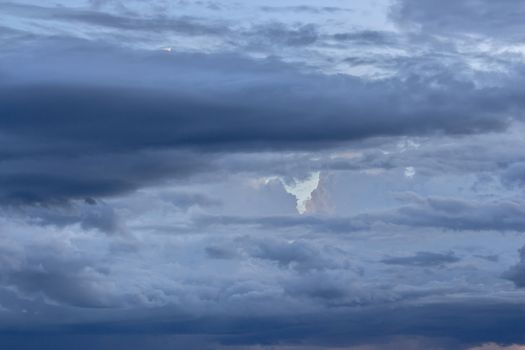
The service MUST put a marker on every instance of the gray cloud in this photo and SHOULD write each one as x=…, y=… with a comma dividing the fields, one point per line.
x=279, y=34
x=514, y=174
x=516, y=273
x=182, y=25
x=424, y=212
x=147, y=196
x=298, y=255
x=217, y=252
x=172, y=111
x=423, y=259
x=500, y=20
x=445, y=326
x=88, y=213
x=186, y=200
x=185, y=26
x=305, y=8
x=456, y=214
x=367, y=37
x=55, y=277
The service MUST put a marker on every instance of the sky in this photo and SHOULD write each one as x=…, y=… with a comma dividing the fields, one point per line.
x=262, y=175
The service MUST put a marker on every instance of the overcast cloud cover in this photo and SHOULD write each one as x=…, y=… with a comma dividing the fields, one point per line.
x=179, y=174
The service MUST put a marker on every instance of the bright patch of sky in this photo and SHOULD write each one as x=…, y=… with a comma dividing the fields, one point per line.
x=410, y=172
x=302, y=190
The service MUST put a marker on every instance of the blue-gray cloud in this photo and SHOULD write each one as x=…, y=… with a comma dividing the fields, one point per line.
x=454, y=18
x=423, y=259
x=151, y=155
x=106, y=113
x=517, y=272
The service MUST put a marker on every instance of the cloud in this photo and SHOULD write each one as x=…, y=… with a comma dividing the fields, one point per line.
x=516, y=273
x=438, y=326
x=217, y=252
x=101, y=114
x=184, y=26
x=485, y=18
x=424, y=212
x=146, y=193
x=367, y=37
x=457, y=214
x=55, y=275
x=186, y=200
x=181, y=25
x=514, y=174
x=88, y=213
x=285, y=287
x=305, y=8
x=59, y=177
x=298, y=255
x=423, y=259
x=279, y=34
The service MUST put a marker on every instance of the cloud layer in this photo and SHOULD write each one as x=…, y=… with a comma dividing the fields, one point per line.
x=154, y=155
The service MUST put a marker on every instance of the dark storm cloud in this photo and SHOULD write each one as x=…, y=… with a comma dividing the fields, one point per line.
x=110, y=107
x=57, y=178
x=452, y=326
x=423, y=259
x=501, y=20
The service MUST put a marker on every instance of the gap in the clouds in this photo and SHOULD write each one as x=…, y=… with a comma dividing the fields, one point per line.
x=301, y=189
